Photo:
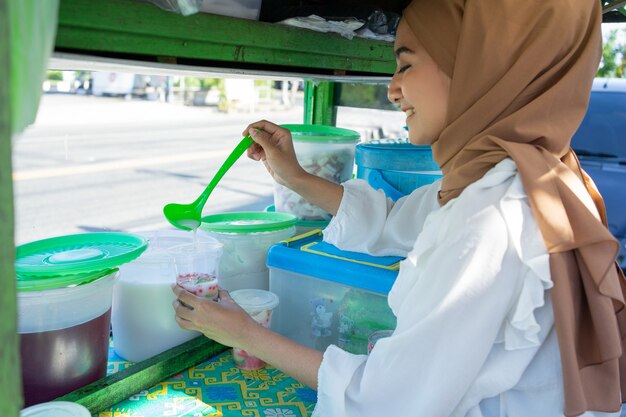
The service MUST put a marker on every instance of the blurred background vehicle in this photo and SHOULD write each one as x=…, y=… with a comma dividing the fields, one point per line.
x=600, y=143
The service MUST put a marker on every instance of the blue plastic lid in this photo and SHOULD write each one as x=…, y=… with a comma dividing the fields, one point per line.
x=396, y=156
x=307, y=254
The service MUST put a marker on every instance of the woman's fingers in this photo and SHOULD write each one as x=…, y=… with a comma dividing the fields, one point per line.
x=224, y=295
x=256, y=152
x=264, y=125
x=182, y=310
x=185, y=296
x=185, y=324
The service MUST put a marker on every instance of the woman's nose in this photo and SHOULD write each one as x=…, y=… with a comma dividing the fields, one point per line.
x=394, y=93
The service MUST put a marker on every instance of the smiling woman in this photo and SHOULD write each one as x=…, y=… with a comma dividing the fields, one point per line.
x=419, y=87
x=486, y=295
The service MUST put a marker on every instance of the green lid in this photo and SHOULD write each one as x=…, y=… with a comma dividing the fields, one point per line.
x=247, y=222
x=28, y=283
x=77, y=255
x=320, y=133
x=318, y=224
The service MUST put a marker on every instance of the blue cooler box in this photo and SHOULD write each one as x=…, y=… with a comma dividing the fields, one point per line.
x=328, y=295
x=396, y=167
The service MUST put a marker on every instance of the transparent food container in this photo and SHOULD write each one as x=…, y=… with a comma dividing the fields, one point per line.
x=325, y=151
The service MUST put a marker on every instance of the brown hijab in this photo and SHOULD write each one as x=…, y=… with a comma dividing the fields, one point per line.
x=521, y=74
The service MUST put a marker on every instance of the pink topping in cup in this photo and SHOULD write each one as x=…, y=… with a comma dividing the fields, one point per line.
x=202, y=285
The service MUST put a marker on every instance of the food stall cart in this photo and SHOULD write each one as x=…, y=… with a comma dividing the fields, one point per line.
x=132, y=34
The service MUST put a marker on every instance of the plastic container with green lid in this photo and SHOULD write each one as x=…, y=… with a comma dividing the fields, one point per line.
x=303, y=226
x=246, y=237
x=325, y=151
x=65, y=287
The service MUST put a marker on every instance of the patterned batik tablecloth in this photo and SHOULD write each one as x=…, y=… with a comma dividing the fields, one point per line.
x=216, y=388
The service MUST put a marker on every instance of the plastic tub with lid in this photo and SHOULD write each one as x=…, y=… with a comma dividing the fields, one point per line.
x=65, y=287
x=246, y=237
x=396, y=166
x=142, y=317
x=303, y=226
x=325, y=151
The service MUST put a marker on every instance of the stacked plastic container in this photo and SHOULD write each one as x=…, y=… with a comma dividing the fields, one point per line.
x=65, y=287
x=246, y=237
x=396, y=166
x=325, y=151
x=328, y=295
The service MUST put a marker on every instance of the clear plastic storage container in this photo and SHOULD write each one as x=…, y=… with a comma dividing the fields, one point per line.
x=325, y=151
x=142, y=318
x=328, y=295
x=246, y=237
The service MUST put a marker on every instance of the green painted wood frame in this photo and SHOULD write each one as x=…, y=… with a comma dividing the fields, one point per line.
x=141, y=31
x=319, y=108
x=10, y=384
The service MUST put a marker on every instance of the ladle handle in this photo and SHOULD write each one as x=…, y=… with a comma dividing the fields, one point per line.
x=234, y=155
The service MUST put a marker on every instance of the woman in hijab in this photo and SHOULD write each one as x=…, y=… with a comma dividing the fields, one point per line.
x=509, y=302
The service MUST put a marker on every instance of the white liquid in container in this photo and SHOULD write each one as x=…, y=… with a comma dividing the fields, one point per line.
x=142, y=314
x=143, y=319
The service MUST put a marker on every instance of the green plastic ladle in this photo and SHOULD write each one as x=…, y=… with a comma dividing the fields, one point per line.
x=187, y=216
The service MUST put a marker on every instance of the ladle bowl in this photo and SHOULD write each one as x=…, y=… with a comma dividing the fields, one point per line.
x=187, y=216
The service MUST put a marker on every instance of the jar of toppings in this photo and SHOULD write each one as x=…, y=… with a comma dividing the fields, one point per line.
x=325, y=151
x=246, y=238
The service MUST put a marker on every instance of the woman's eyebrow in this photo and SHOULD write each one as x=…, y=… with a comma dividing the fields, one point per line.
x=402, y=50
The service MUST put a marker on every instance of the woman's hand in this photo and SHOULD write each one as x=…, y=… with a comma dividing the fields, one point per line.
x=228, y=324
x=223, y=321
x=274, y=146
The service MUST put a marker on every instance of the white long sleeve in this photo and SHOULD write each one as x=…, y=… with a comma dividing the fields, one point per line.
x=475, y=332
x=369, y=222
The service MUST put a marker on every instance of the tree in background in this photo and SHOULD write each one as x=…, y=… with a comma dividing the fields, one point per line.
x=613, y=64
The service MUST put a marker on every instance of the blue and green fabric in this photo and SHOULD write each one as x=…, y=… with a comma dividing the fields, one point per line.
x=216, y=388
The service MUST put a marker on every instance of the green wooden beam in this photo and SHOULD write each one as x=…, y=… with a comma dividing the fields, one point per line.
x=138, y=30
x=10, y=381
x=108, y=391
x=319, y=106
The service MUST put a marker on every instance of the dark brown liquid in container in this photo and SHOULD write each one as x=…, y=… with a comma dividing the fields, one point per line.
x=59, y=361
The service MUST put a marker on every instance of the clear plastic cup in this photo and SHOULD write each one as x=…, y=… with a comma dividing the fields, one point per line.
x=259, y=304
x=375, y=337
x=196, y=269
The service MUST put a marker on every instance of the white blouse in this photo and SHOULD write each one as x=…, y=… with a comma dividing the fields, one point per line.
x=475, y=331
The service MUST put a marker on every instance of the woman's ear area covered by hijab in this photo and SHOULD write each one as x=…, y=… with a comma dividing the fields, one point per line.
x=419, y=88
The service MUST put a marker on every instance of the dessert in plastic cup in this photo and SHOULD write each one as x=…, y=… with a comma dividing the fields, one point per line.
x=375, y=337
x=202, y=285
x=259, y=305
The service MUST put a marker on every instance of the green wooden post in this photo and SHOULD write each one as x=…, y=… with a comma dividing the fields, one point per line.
x=10, y=382
x=112, y=389
x=319, y=106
